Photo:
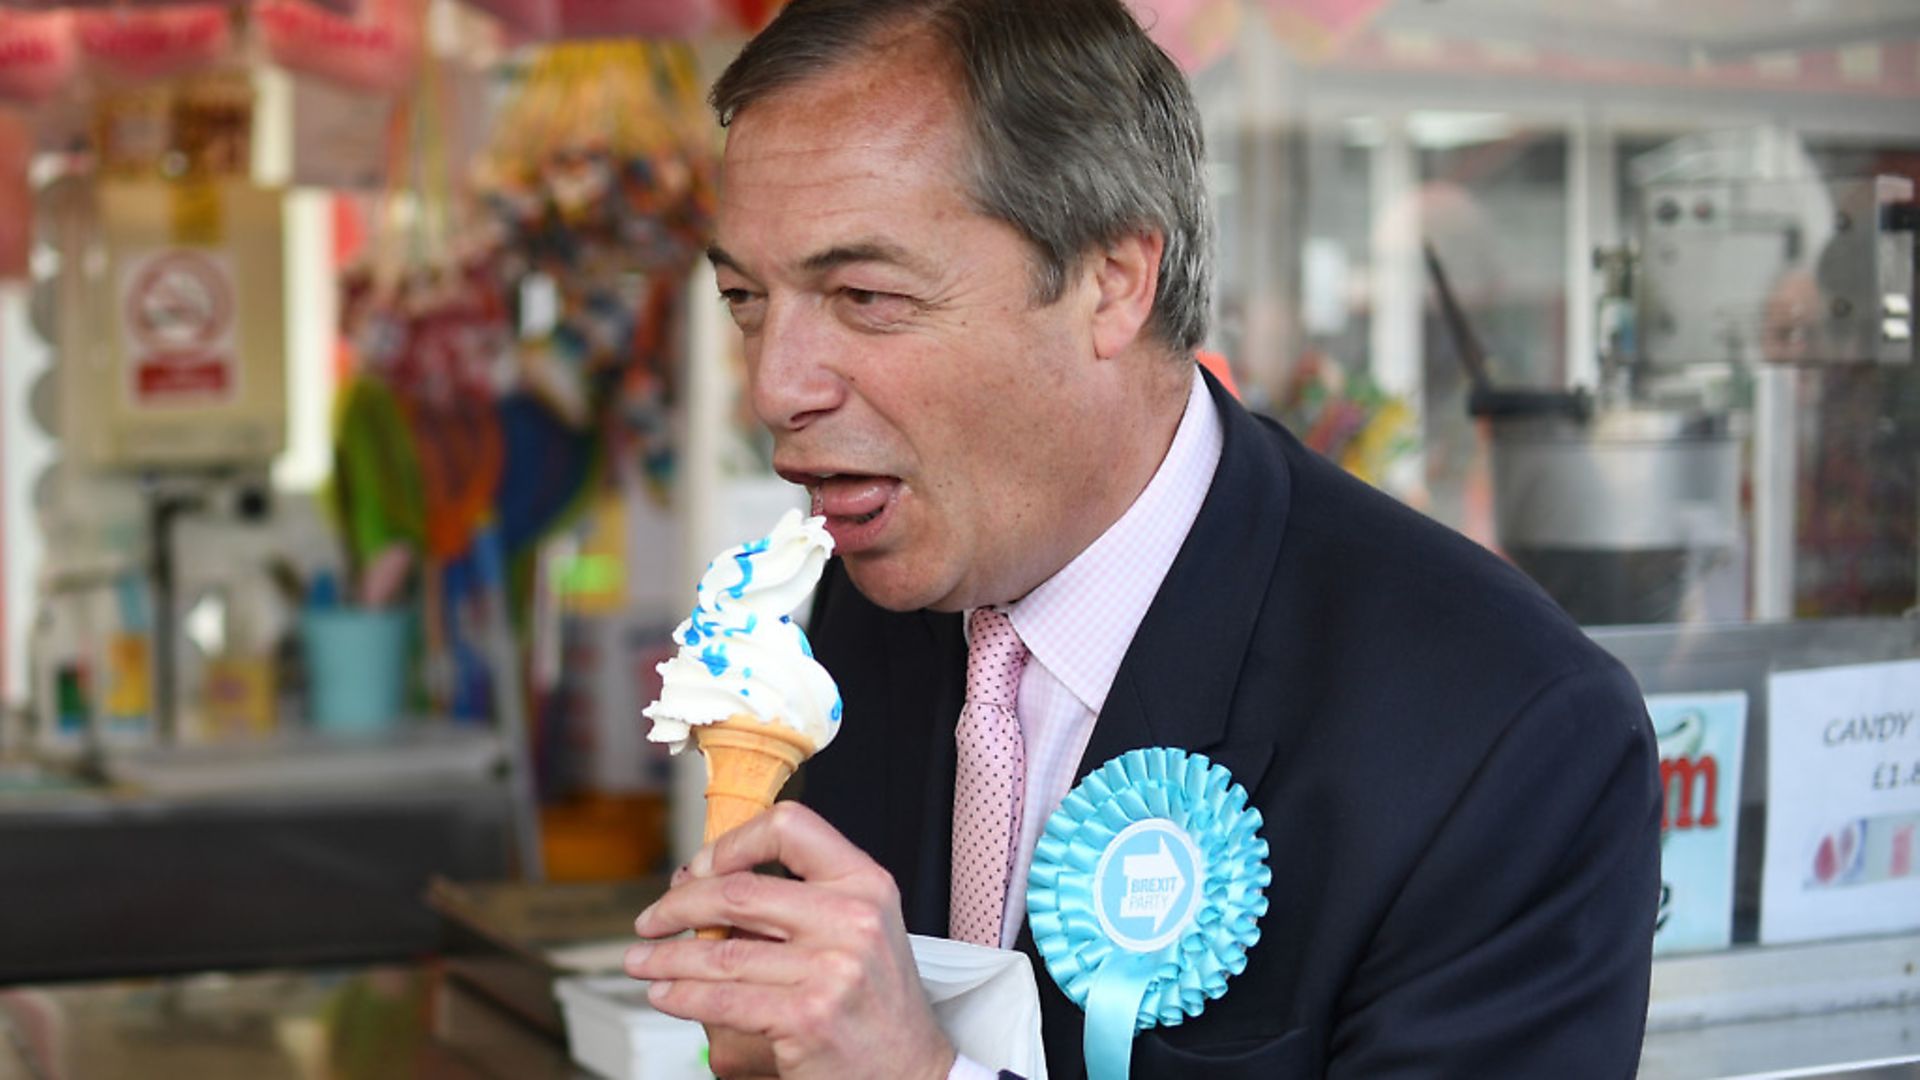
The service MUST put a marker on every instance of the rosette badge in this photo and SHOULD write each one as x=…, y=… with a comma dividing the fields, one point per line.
x=1146, y=892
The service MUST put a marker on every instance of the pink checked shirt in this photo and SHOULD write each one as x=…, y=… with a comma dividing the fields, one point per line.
x=1078, y=624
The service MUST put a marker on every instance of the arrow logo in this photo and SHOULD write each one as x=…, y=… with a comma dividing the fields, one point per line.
x=1154, y=885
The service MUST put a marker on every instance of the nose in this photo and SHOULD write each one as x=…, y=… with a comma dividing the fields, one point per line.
x=790, y=371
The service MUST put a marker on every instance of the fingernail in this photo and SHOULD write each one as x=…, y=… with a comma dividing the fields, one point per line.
x=636, y=956
x=640, y=920
x=658, y=990
x=702, y=863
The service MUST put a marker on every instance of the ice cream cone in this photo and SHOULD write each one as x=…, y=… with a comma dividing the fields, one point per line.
x=748, y=762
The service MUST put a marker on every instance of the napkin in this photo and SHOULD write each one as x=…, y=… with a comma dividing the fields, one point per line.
x=986, y=1001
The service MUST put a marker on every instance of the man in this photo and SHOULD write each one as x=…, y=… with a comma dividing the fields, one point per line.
x=966, y=243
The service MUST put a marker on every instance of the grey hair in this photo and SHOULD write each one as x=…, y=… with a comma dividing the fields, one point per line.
x=1084, y=131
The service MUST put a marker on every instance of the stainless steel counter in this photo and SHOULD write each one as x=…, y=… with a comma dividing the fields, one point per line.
x=97, y=885
x=1859, y=1044
x=381, y=1023
x=400, y=1023
x=1839, y=1008
x=294, y=851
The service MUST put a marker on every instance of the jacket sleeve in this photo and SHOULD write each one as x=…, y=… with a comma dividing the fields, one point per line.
x=1521, y=943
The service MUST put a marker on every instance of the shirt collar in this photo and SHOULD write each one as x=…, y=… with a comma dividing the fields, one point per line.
x=1079, y=622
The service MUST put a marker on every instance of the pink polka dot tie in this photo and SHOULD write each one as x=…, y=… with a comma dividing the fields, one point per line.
x=990, y=781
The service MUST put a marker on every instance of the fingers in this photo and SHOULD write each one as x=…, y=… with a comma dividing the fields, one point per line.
x=739, y=1055
x=840, y=1022
x=799, y=1017
x=829, y=990
x=746, y=1007
x=758, y=904
x=735, y=958
x=789, y=834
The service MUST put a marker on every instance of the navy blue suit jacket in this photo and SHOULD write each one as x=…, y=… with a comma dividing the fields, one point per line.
x=1459, y=789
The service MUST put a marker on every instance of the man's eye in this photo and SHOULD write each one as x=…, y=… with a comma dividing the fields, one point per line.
x=876, y=308
x=744, y=306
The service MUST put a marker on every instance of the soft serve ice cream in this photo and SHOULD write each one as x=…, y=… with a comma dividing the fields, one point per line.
x=741, y=656
x=744, y=686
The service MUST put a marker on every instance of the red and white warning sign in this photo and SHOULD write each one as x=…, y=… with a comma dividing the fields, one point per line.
x=177, y=311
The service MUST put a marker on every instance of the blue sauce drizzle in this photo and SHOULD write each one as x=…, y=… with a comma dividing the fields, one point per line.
x=715, y=626
x=700, y=626
x=744, y=558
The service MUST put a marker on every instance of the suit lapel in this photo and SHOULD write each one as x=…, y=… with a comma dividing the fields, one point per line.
x=1176, y=685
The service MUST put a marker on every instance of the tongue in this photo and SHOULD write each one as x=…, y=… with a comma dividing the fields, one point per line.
x=853, y=496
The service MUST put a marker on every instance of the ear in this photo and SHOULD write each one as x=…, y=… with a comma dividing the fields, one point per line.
x=1126, y=278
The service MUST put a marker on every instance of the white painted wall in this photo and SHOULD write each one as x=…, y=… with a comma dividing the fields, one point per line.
x=24, y=452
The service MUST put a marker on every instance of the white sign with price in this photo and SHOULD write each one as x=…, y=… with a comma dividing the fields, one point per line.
x=1843, y=802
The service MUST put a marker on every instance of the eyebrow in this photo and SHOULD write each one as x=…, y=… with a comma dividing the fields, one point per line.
x=718, y=256
x=865, y=251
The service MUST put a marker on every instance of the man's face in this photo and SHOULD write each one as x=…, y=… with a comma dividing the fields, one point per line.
x=933, y=410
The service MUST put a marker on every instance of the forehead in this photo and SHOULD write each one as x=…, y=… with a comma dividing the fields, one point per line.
x=904, y=76
x=888, y=124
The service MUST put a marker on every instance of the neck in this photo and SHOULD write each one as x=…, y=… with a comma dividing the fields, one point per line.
x=1162, y=393
x=1147, y=409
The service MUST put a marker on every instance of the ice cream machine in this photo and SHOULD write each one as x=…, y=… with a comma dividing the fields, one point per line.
x=167, y=311
x=1784, y=271
x=1624, y=500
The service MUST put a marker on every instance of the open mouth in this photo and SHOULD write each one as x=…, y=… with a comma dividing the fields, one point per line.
x=851, y=497
x=855, y=505
x=820, y=508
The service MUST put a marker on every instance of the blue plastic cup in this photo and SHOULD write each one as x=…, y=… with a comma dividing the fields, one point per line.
x=356, y=668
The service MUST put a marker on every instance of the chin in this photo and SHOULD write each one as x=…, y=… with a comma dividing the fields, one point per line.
x=896, y=587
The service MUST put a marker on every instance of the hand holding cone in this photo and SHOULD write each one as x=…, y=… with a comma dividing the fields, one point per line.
x=748, y=762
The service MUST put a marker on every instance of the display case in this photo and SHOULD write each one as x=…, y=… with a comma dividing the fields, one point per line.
x=1627, y=295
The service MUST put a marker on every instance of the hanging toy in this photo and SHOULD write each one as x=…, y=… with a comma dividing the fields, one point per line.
x=753, y=15
x=151, y=45
x=37, y=55
x=377, y=50
x=562, y=20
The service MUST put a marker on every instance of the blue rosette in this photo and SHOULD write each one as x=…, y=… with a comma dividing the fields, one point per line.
x=1146, y=892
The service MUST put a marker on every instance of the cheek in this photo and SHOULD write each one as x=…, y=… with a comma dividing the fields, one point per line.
x=985, y=474
x=976, y=409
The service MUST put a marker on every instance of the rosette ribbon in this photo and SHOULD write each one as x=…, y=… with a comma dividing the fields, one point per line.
x=1146, y=892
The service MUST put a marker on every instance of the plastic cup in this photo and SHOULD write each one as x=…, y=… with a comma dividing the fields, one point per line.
x=356, y=669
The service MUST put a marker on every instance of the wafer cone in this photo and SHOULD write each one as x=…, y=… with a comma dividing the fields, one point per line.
x=748, y=762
